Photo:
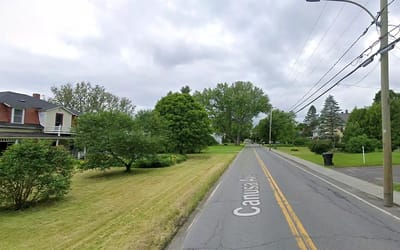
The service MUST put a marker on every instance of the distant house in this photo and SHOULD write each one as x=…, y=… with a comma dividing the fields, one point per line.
x=23, y=116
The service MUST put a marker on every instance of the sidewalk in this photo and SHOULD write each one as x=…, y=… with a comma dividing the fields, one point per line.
x=363, y=186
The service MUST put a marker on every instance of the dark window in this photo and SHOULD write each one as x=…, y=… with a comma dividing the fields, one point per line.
x=18, y=116
x=59, y=119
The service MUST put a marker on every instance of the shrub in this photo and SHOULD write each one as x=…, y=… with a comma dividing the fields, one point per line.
x=320, y=146
x=33, y=171
x=355, y=144
x=300, y=141
x=160, y=161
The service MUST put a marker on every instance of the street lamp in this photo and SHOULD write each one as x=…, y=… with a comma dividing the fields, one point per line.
x=385, y=102
x=352, y=2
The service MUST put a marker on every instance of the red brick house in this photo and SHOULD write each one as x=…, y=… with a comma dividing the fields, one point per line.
x=23, y=116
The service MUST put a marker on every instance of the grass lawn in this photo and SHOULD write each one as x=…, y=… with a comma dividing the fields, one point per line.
x=115, y=210
x=341, y=159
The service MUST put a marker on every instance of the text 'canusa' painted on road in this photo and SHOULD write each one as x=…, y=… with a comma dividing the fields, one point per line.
x=251, y=198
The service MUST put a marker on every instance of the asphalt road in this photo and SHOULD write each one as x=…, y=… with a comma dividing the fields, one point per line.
x=265, y=202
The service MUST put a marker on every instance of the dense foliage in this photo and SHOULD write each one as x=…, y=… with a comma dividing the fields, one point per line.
x=32, y=171
x=330, y=119
x=368, y=121
x=320, y=146
x=115, y=139
x=187, y=123
x=160, y=161
x=85, y=98
x=283, y=128
x=232, y=108
x=356, y=144
x=311, y=121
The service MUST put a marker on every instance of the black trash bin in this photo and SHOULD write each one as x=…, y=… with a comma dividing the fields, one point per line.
x=328, y=158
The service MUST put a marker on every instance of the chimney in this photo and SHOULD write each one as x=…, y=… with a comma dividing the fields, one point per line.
x=36, y=96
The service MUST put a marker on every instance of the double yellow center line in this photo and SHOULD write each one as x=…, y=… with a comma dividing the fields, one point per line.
x=303, y=240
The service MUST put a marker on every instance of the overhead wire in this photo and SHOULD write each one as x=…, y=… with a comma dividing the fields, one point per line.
x=299, y=102
x=363, y=78
x=306, y=41
x=340, y=37
x=322, y=39
x=363, y=64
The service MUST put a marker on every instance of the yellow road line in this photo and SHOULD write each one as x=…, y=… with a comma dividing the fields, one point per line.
x=303, y=240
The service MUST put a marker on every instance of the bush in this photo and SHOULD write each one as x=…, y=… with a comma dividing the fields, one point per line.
x=160, y=161
x=301, y=141
x=33, y=171
x=320, y=146
x=355, y=144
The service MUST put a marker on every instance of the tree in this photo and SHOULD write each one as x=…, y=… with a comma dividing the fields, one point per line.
x=392, y=96
x=187, y=122
x=32, y=171
x=185, y=90
x=353, y=129
x=283, y=127
x=330, y=120
x=310, y=121
x=114, y=139
x=152, y=123
x=232, y=108
x=86, y=98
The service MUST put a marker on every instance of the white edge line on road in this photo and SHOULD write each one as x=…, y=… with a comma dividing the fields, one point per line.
x=208, y=199
x=343, y=190
x=213, y=192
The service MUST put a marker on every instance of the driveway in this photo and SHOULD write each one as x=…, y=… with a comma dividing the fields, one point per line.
x=370, y=174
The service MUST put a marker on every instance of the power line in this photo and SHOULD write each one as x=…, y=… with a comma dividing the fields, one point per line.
x=301, y=101
x=364, y=53
x=322, y=38
x=363, y=78
x=306, y=41
x=363, y=64
x=340, y=37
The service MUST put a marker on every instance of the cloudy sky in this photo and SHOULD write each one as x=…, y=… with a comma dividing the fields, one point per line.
x=141, y=49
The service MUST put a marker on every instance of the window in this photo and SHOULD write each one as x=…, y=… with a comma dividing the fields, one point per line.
x=17, y=116
x=59, y=119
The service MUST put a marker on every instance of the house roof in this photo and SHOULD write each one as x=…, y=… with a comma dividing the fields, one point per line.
x=22, y=101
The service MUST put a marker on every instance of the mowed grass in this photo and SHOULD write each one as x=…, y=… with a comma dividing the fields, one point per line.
x=341, y=159
x=115, y=210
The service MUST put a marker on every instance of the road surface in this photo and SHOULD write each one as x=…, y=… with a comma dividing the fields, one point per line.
x=266, y=202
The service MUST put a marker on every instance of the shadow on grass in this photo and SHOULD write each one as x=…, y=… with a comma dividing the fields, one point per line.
x=118, y=173
x=31, y=207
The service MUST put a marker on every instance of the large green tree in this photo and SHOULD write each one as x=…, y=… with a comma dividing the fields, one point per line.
x=330, y=119
x=283, y=127
x=369, y=120
x=85, y=98
x=232, y=108
x=115, y=139
x=311, y=121
x=187, y=122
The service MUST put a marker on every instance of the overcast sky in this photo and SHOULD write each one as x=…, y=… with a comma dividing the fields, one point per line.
x=143, y=49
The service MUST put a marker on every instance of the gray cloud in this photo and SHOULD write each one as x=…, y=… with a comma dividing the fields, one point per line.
x=143, y=49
